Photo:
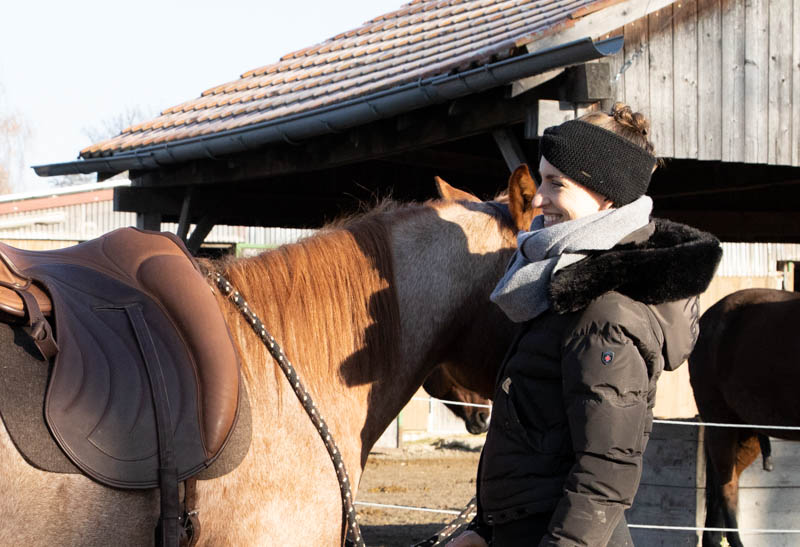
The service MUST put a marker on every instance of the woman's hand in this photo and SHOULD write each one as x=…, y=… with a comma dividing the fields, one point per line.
x=467, y=539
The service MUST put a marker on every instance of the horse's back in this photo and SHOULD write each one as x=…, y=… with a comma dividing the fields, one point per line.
x=745, y=361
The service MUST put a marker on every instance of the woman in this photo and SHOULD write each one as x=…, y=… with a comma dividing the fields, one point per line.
x=607, y=298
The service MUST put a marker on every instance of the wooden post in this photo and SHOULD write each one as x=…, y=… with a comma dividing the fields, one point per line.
x=184, y=221
x=199, y=234
x=148, y=221
x=509, y=147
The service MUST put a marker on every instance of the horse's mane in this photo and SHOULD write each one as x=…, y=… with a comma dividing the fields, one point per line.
x=322, y=297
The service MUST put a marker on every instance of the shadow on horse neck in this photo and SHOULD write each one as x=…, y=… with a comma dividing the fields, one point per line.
x=743, y=370
x=366, y=308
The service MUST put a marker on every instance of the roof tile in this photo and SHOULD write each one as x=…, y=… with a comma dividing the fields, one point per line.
x=421, y=39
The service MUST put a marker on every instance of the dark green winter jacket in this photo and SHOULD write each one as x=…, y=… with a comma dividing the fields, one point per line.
x=573, y=404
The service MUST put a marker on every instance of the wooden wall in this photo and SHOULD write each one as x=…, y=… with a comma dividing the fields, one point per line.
x=719, y=79
x=672, y=492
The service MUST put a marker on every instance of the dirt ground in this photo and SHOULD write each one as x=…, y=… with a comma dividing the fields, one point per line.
x=435, y=473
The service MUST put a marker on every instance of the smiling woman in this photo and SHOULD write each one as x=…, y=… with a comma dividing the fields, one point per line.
x=595, y=181
x=562, y=199
x=607, y=299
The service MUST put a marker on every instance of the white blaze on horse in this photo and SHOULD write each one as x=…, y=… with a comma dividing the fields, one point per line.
x=365, y=310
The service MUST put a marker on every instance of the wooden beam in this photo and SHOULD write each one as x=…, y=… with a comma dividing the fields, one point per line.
x=423, y=129
x=149, y=221
x=449, y=160
x=183, y=221
x=199, y=234
x=587, y=83
x=764, y=226
x=153, y=202
x=298, y=207
x=598, y=24
x=525, y=84
x=545, y=114
x=509, y=147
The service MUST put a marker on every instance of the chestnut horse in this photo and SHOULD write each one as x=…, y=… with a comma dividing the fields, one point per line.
x=364, y=309
x=743, y=370
x=442, y=385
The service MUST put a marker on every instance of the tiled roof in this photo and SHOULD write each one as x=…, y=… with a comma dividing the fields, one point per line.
x=424, y=38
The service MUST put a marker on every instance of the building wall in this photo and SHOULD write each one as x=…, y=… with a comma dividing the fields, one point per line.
x=60, y=226
x=719, y=79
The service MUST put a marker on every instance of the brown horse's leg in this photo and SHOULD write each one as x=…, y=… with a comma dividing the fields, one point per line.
x=720, y=457
x=732, y=451
x=714, y=516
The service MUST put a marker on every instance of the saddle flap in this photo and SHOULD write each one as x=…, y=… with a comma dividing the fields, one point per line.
x=99, y=403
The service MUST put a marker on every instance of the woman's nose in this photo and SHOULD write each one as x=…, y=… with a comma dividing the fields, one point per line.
x=538, y=200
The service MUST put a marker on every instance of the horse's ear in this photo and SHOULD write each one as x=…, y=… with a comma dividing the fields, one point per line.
x=451, y=192
x=521, y=189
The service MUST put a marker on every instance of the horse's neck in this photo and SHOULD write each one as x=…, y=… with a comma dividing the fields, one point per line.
x=329, y=302
x=446, y=264
x=363, y=312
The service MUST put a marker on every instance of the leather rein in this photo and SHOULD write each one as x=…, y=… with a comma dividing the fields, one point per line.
x=305, y=399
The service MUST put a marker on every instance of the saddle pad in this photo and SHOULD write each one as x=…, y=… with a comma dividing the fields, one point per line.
x=23, y=383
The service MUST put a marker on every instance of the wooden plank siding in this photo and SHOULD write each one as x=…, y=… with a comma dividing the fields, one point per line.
x=756, y=90
x=732, y=67
x=709, y=80
x=660, y=81
x=685, y=80
x=718, y=79
x=796, y=82
x=638, y=69
x=780, y=82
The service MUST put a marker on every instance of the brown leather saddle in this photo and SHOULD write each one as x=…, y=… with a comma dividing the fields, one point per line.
x=144, y=388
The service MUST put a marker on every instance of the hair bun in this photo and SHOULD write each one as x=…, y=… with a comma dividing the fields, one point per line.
x=623, y=115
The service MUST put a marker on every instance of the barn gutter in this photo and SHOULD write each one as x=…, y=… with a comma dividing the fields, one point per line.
x=341, y=116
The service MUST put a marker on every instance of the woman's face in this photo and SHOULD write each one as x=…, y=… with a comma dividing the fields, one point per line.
x=561, y=198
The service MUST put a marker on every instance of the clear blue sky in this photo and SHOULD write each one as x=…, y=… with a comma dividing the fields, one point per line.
x=67, y=66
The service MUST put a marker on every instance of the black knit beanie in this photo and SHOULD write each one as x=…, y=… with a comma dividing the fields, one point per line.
x=599, y=159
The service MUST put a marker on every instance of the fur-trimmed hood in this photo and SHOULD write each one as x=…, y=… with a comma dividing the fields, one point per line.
x=675, y=262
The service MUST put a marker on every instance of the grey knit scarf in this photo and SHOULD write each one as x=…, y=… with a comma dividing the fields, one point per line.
x=522, y=292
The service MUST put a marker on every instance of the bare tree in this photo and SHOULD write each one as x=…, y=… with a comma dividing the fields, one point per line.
x=115, y=125
x=105, y=129
x=13, y=134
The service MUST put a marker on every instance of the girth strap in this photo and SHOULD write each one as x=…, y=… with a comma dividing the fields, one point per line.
x=38, y=327
x=167, y=529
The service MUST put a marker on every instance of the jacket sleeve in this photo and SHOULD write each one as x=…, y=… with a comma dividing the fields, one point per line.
x=605, y=385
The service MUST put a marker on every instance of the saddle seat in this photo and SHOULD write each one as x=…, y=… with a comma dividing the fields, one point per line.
x=137, y=326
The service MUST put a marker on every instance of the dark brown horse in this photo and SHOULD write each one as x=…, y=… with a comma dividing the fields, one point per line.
x=442, y=385
x=743, y=370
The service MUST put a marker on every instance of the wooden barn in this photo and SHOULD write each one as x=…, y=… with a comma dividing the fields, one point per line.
x=463, y=89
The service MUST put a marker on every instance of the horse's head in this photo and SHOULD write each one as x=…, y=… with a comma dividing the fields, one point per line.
x=441, y=385
x=478, y=337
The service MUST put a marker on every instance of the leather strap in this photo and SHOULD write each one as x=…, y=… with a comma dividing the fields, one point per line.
x=38, y=327
x=167, y=529
x=190, y=531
